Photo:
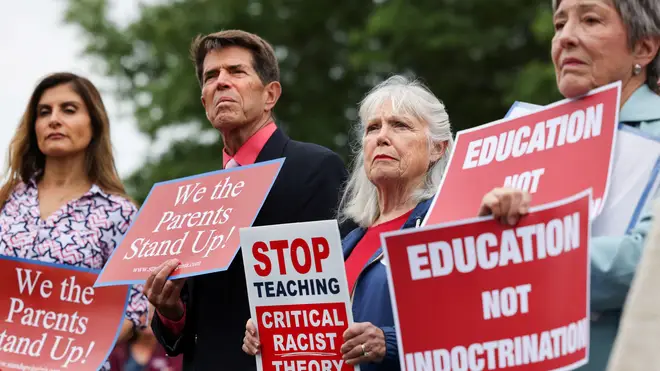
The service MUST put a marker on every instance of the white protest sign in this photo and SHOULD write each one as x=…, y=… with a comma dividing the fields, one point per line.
x=299, y=298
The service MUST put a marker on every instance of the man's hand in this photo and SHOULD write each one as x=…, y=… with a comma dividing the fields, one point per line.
x=251, y=339
x=164, y=294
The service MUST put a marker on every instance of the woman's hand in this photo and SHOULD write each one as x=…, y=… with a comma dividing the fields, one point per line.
x=505, y=204
x=363, y=342
x=251, y=340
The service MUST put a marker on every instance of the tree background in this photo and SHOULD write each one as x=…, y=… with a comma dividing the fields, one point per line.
x=477, y=56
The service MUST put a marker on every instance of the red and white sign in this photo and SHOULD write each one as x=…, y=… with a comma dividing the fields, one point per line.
x=479, y=295
x=552, y=153
x=298, y=295
x=195, y=220
x=54, y=319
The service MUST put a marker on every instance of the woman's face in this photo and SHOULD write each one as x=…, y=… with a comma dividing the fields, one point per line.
x=590, y=47
x=396, y=148
x=63, y=125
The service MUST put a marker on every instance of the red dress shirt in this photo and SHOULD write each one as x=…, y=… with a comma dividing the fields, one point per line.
x=368, y=246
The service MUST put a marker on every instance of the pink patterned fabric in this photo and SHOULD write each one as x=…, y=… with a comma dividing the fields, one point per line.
x=82, y=233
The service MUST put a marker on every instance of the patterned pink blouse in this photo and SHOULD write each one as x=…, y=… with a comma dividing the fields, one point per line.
x=82, y=233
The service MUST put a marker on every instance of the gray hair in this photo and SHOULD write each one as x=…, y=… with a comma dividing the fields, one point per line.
x=409, y=97
x=642, y=19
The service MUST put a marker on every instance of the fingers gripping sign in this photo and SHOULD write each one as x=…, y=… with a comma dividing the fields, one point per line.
x=363, y=343
x=251, y=344
x=164, y=294
x=506, y=205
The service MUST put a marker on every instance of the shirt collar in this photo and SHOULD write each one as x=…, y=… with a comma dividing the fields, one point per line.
x=93, y=190
x=643, y=105
x=247, y=154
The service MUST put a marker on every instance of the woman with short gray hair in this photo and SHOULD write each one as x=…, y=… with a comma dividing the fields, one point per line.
x=608, y=40
x=598, y=42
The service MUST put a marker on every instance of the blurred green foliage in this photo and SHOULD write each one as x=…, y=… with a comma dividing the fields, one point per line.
x=478, y=57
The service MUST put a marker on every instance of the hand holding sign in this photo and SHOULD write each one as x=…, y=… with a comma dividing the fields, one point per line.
x=194, y=220
x=505, y=204
x=164, y=294
x=363, y=342
x=251, y=343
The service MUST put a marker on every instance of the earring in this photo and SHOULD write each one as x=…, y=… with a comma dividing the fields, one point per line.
x=637, y=69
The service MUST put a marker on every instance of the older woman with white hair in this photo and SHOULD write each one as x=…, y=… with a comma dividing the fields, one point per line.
x=404, y=141
x=404, y=138
x=598, y=42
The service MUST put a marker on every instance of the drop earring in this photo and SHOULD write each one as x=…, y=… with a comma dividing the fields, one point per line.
x=637, y=69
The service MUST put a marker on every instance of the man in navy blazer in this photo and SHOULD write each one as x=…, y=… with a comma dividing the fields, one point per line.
x=204, y=317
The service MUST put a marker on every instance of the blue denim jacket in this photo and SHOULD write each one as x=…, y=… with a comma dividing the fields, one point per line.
x=614, y=259
x=371, y=294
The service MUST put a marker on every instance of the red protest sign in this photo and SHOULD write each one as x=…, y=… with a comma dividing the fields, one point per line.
x=298, y=294
x=54, y=318
x=302, y=337
x=493, y=296
x=553, y=153
x=195, y=220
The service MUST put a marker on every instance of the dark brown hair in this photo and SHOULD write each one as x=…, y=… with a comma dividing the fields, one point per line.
x=264, y=61
x=25, y=158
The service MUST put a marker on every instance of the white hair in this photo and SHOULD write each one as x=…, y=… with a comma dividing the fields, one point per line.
x=642, y=19
x=408, y=97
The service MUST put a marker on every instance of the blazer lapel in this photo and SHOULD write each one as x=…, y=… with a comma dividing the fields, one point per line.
x=274, y=147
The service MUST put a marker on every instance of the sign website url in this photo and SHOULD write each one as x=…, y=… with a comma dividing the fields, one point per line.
x=20, y=366
x=151, y=269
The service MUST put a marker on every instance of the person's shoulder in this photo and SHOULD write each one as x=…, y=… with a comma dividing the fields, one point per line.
x=121, y=203
x=312, y=156
x=643, y=108
x=20, y=192
x=122, y=211
x=20, y=188
x=309, y=150
x=122, y=200
x=355, y=234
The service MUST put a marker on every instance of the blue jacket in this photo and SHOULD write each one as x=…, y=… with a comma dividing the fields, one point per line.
x=614, y=259
x=371, y=296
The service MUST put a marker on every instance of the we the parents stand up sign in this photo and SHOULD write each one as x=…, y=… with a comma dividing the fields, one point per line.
x=54, y=319
x=195, y=220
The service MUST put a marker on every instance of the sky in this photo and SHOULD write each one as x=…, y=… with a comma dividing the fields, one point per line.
x=33, y=43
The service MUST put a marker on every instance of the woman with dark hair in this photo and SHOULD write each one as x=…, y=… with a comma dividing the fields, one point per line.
x=63, y=201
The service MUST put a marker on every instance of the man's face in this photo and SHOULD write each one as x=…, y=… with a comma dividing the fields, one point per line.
x=233, y=95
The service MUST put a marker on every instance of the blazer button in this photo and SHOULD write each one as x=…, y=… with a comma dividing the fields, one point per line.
x=195, y=338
